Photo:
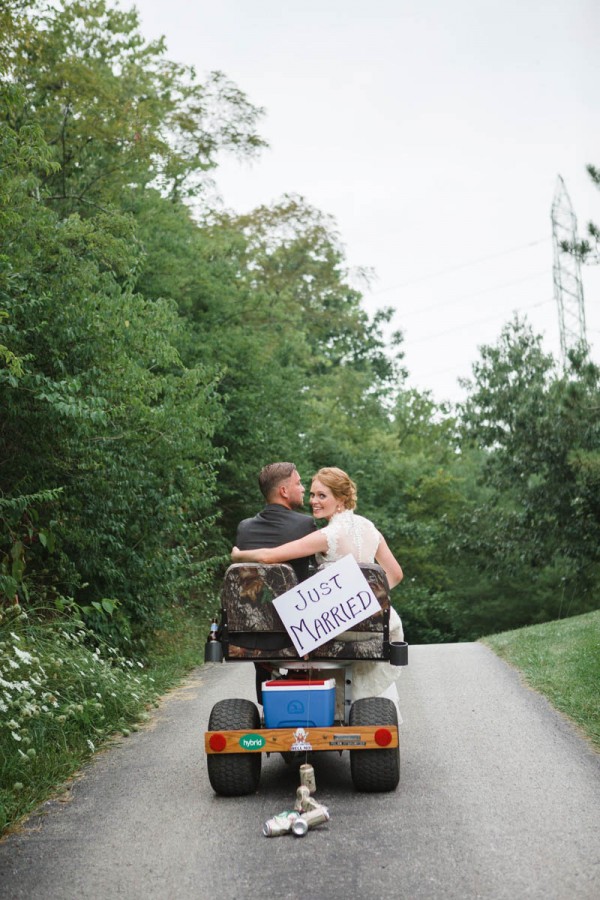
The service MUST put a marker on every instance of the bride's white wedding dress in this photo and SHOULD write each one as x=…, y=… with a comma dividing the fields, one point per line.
x=349, y=533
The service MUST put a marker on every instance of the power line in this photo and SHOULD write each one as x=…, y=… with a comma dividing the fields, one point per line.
x=490, y=290
x=464, y=265
x=454, y=368
x=463, y=325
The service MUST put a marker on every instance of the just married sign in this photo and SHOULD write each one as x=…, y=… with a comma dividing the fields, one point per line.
x=326, y=604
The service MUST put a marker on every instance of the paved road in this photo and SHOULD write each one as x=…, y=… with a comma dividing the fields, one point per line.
x=499, y=798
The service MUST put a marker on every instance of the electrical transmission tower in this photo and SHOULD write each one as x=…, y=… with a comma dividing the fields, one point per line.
x=566, y=268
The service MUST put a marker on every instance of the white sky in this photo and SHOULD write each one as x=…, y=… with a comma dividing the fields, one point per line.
x=433, y=131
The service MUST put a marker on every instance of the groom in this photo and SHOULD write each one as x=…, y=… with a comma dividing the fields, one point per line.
x=279, y=521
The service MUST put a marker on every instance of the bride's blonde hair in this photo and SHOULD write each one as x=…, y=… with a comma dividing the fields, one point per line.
x=341, y=485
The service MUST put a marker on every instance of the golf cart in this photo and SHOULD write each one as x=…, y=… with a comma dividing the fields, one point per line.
x=307, y=701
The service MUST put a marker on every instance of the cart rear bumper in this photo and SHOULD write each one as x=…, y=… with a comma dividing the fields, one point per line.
x=284, y=740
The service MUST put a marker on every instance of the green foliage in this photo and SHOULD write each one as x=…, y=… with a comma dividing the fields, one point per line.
x=273, y=309
x=20, y=532
x=99, y=407
x=64, y=693
x=117, y=113
x=537, y=536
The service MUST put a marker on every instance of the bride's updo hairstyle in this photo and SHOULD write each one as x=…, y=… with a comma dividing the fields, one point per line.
x=341, y=485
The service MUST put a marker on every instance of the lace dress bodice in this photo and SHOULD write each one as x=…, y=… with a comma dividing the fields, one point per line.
x=349, y=533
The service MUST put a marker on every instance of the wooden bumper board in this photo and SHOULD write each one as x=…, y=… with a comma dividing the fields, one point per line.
x=282, y=740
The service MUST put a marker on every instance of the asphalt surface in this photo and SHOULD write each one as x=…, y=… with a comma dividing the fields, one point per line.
x=499, y=798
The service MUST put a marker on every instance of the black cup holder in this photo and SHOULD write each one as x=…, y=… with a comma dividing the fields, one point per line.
x=213, y=651
x=398, y=653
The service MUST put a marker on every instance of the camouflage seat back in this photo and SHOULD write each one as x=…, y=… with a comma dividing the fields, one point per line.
x=254, y=629
x=248, y=589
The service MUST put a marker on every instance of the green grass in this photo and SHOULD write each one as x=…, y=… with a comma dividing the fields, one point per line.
x=561, y=660
x=63, y=694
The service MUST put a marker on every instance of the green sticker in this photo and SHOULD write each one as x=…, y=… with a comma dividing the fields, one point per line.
x=252, y=742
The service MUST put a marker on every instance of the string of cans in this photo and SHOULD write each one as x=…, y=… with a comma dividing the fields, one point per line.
x=306, y=814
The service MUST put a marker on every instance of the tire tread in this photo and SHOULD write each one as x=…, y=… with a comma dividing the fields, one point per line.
x=374, y=771
x=234, y=774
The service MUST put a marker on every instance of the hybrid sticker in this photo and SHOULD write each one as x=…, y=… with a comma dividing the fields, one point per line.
x=252, y=742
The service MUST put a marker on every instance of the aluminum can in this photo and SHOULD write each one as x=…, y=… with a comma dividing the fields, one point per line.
x=280, y=824
x=302, y=798
x=307, y=777
x=300, y=827
x=310, y=819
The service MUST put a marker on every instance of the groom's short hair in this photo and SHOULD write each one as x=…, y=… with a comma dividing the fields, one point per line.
x=272, y=475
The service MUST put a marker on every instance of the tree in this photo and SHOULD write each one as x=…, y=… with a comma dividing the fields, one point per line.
x=538, y=535
x=118, y=114
x=107, y=464
x=270, y=305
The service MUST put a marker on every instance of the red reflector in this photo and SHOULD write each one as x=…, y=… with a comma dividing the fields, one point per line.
x=217, y=742
x=383, y=737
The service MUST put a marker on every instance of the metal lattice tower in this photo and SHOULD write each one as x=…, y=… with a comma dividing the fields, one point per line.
x=566, y=268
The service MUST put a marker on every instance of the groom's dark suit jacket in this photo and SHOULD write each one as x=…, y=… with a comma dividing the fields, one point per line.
x=275, y=525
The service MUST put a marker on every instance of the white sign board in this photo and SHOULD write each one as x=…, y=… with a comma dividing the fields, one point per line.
x=326, y=604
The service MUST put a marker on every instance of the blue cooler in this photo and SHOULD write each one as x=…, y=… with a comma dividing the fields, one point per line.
x=291, y=704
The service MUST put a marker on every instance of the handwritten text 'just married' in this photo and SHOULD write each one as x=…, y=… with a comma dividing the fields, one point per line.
x=326, y=605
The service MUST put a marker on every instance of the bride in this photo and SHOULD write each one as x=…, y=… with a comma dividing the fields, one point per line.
x=333, y=497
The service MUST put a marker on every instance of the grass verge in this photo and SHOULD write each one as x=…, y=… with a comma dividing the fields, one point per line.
x=63, y=693
x=561, y=660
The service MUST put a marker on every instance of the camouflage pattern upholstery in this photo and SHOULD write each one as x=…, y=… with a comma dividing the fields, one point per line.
x=253, y=630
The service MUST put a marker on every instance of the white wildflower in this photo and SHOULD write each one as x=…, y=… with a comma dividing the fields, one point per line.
x=23, y=655
x=91, y=745
x=17, y=737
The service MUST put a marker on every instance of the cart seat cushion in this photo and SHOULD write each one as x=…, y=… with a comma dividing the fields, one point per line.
x=255, y=630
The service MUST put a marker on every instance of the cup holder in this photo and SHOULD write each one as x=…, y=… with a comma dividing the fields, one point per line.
x=398, y=653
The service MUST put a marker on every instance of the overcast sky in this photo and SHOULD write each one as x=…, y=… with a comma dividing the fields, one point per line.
x=433, y=131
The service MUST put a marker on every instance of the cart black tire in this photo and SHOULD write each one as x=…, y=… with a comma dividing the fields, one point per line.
x=234, y=774
x=374, y=770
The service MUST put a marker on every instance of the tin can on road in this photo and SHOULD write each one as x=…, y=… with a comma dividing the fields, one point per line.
x=280, y=824
x=310, y=819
